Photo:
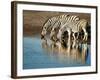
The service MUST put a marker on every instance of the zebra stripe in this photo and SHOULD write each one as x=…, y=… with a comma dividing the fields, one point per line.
x=73, y=24
x=79, y=24
x=74, y=27
x=61, y=23
x=50, y=22
x=61, y=19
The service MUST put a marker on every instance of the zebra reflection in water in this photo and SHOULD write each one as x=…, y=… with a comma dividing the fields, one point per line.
x=70, y=52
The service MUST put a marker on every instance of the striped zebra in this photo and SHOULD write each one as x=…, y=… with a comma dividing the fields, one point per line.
x=65, y=21
x=79, y=26
x=48, y=25
x=56, y=22
x=74, y=27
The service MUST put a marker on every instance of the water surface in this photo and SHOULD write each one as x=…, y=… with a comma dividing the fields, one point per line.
x=38, y=55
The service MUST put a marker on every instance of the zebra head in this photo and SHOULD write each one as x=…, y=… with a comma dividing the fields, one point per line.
x=44, y=29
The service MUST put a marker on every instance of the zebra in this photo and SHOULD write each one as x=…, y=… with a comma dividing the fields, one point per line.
x=54, y=31
x=74, y=27
x=61, y=22
x=79, y=26
x=61, y=31
x=49, y=24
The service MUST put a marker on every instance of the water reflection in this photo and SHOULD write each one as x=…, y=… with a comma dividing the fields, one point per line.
x=43, y=53
x=71, y=51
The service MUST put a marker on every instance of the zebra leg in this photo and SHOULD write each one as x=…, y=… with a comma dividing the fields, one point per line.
x=74, y=36
x=69, y=34
x=73, y=43
x=85, y=34
x=59, y=35
x=77, y=35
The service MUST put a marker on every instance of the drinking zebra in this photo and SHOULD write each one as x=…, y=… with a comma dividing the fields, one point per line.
x=66, y=21
x=48, y=25
x=55, y=23
x=74, y=27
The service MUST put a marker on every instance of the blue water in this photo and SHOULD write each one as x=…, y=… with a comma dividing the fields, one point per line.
x=35, y=56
